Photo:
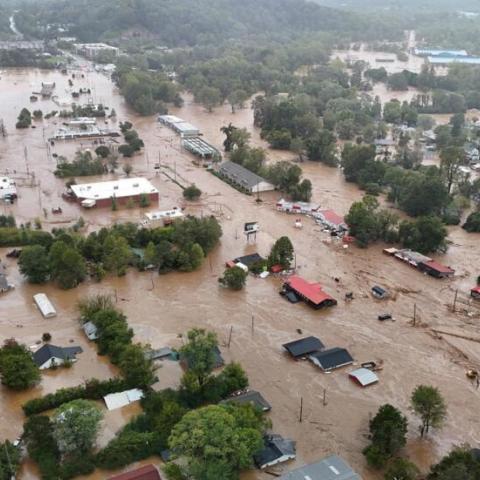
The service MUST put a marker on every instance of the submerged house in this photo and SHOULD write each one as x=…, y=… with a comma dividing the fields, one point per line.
x=250, y=397
x=311, y=293
x=90, y=330
x=331, y=359
x=50, y=356
x=147, y=472
x=363, y=377
x=276, y=450
x=303, y=347
x=243, y=178
x=436, y=269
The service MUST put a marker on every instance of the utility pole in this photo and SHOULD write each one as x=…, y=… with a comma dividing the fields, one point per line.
x=3, y=132
x=324, y=397
x=414, y=314
x=455, y=300
x=253, y=324
x=230, y=336
x=25, y=154
x=300, y=418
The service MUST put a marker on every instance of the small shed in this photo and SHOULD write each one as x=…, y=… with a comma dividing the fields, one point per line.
x=122, y=399
x=364, y=377
x=436, y=269
x=90, y=330
x=44, y=305
x=303, y=347
x=331, y=359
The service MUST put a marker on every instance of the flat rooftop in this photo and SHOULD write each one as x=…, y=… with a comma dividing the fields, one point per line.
x=125, y=187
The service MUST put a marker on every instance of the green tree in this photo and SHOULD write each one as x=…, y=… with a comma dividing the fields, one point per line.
x=192, y=192
x=459, y=464
x=67, y=265
x=234, y=278
x=33, y=264
x=472, y=225
x=102, y=151
x=429, y=405
x=231, y=379
x=209, y=97
x=282, y=253
x=425, y=235
x=402, y=469
x=388, y=430
x=10, y=457
x=217, y=441
x=116, y=254
x=199, y=353
x=17, y=368
x=137, y=370
x=451, y=159
x=321, y=147
x=75, y=426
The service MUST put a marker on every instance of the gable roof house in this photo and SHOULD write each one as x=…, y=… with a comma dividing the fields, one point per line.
x=49, y=356
x=330, y=468
x=243, y=178
x=304, y=346
x=251, y=397
x=331, y=359
x=311, y=293
x=276, y=450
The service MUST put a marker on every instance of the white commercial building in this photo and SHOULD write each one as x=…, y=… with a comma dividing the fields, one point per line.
x=122, y=190
x=162, y=218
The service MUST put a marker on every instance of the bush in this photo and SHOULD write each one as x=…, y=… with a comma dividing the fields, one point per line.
x=17, y=237
x=472, y=225
x=234, y=278
x=192, y=192
x=128, y=447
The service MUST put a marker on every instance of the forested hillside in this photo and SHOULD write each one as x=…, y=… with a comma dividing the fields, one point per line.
x=197, y=22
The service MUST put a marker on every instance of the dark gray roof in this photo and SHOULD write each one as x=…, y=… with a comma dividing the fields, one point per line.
x=249, y=259
x=240, y=175
x=251, y=397
x=275, y=448
x=331, y=358
x=303, y=346
x=47, y=351
x=331, y=468
x=159, y=353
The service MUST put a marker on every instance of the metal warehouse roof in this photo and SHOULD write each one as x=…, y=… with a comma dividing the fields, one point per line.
x=198, y=146
x=303, y=346
x=125, y=187
x=364, y=376
x=330, y=468
x=331, y=358
x=240, y=175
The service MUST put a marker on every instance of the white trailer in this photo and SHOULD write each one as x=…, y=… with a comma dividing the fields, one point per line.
x=44, y=305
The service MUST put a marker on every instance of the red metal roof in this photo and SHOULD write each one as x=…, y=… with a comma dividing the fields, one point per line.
x=332, y=217
x=438, y=267
x=476, y=289
x=148, y=472
x=312, y=291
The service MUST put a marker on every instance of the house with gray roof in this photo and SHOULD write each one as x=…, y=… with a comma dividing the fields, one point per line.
x=243, y=178
x=276, y=450
x=49, y=356
x=330, y=468
x=249, y=397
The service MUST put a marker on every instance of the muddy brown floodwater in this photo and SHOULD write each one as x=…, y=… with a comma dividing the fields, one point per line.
x=159, y=308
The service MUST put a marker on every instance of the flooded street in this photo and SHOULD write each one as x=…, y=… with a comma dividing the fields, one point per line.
x=160, y=310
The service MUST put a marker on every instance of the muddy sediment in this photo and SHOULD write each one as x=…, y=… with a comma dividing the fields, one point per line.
x=160, y=310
